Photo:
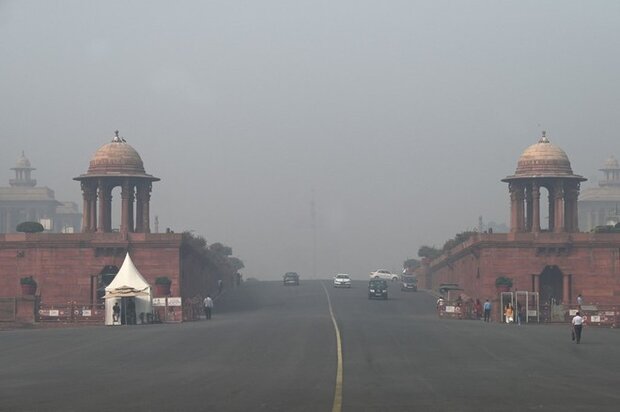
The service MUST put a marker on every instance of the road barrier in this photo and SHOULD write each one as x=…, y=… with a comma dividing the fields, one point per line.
x=71, y=312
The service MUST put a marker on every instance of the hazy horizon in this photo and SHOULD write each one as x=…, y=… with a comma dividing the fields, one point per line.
x=396, y=120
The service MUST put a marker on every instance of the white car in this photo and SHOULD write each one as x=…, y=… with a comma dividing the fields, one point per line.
x=342, y=280
x=384, y=274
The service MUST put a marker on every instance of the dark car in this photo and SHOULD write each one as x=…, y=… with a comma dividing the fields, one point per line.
x=409, y=283
x=377, y=288
x=291, y=278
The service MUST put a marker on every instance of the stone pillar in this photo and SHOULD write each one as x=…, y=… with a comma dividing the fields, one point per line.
x=520, y=209
x=514, y=206
x=108, y=209
x=139, y=209
x=551, y=224
x=89, y=196
x=572, y=212
x=126, y=198
x=143, y=196
x=535, y=207
x=529, y=208
x=132, y=198
x=560, y=223
x=102, y=207
x=566, y=289
x=93, y=211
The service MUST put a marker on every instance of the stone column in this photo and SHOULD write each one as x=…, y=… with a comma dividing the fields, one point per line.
x=535, y=207
x=139, y=209
x=93, y=211
x=560, y=225
x=514, y=209
x=566, y=289
x=102, y=205
x=90, y=199
x=521, y=209
x=529, y=208
x=572, y=212
x=132, y=198
x=143, y=196
x=551, y=224
x=126, y=198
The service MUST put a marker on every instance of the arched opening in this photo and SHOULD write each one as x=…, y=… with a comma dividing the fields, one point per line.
x=551, y=285
x=544, y=209
x=115, y=209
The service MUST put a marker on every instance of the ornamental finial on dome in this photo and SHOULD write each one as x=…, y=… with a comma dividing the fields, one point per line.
x=117, y=138
x=544, y=139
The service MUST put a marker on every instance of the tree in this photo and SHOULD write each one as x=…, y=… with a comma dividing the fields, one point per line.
x=430, y=252
x=221, y=249
x=236, y=263
x=30, y=227
x=411, y=264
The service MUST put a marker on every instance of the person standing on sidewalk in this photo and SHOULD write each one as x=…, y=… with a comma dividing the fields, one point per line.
x=208, y=305
x=578, y=323
x=487, y=311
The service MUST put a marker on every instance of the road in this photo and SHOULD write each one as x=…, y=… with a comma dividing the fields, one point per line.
x=274, y=348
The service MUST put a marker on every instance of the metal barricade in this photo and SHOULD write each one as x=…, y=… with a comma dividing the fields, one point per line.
x=72, y=312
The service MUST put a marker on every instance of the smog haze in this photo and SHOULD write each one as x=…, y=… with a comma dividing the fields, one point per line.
x=344, y=133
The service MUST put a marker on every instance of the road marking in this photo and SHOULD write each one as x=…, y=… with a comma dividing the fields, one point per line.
x=337, y=407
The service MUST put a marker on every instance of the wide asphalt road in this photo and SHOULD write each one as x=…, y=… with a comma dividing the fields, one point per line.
x=274, y=348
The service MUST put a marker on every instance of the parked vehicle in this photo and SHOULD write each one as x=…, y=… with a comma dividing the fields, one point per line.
x=342, y=280
x=377, y=288
x=384, y=274
x=409, y=283
x=291, y=278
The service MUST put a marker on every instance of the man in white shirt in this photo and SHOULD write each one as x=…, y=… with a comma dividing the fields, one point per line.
x=578, y=322
x=579, y=301
x=208, y=305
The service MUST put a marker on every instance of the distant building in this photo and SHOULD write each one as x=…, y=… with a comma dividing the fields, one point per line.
x=599, y=206
x=23, y=201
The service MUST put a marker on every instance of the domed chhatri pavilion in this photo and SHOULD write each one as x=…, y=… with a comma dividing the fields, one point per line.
x=544, y=165
x=116, y=164
x=549, y=256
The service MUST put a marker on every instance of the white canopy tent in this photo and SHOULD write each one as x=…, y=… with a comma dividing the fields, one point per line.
x=128, y=283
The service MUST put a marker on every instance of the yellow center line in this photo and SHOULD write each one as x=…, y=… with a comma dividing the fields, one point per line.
x=337, y=407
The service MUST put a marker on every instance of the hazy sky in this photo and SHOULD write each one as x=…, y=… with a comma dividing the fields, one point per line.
x=398, y=117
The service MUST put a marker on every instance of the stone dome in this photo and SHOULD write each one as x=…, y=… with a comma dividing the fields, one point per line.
x=543, y=159
x=116, y=158
x=22, y=162
x=611, y=163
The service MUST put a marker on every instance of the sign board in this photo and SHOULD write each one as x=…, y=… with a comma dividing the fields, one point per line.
x=86, y=312
x=532, y=313
x=53, y=312
x=159, y=301
x=450, y=309
x=176, y=301
x=596, y=319
x=572, y=312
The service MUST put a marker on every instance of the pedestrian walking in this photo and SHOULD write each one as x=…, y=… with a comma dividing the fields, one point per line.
x=578, y=322
x=208, y=306
x=220, y=286
x=579, y=301
x=487, y=311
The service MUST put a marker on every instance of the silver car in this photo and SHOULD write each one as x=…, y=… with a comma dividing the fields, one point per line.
x=342, y=280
